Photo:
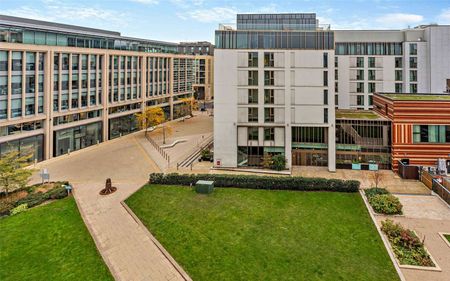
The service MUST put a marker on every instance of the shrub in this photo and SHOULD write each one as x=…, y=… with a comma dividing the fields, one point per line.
x=375, y=191
x=386, y=204
x=58, y=192
x=278, y=162
x=259, y=182
x=33, y=199
x=5, y=207
x=19, y=209
x=406, y=245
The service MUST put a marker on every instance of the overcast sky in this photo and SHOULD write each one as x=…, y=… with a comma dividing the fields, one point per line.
x=196, y=20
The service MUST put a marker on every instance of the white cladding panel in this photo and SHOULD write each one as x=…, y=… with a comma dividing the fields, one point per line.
x=304, y=114
x=308, y=95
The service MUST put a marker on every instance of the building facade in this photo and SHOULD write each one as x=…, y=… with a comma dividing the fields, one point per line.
x=273, y=94
x=63, y=88
x=420, y=126
x=311, y=70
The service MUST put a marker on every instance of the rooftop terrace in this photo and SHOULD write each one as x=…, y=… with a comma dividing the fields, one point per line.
x=416, y=97
x=349, y=114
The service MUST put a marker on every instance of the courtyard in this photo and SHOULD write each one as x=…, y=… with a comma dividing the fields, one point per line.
x=240, y=234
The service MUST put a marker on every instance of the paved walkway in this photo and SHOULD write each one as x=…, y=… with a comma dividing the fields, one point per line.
x=126, y=247
x=427, y=215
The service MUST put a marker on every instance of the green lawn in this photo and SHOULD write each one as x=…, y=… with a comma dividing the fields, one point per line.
x=447, y=236
x=241, y=234
x=49, y=242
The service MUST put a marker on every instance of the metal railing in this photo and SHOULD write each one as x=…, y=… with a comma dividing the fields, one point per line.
x=159, y=149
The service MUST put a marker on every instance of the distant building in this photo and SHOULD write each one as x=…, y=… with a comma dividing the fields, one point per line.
x=196, y=48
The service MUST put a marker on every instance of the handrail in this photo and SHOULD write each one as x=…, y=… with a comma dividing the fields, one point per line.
x=193, y=153
x=441, y=191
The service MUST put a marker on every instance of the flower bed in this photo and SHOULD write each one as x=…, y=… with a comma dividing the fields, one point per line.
x=407, y=247
x=259, y=182
x=383, y=202
x=23, y=198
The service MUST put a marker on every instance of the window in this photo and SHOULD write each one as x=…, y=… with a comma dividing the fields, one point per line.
x=336, y=61
x=269, y=79
x=325, y=78
x=359, y=62
x=269, y=134
x=252, y=96
x=413, y=75
x=253, y=133
x=336, y=74
x=253, y=59
x=360, y=87
x=253, y=78
x=17, y=61
x=413, y=49
x=336, y=100
x=84, y=62
x=413, y=62
x=336, y=87
x=269, y=114
x=398, y=75
x=75, y=62
x=30, y=84
x=360, y=100
x=371, y=75
x=252, y=114
x=308, y=135
x=325, y=115
x=269, y=60
x=431, y=133
x=370, y=100
x=269, y=97
x=93, y=61
x=65, y=61
x=398, y=87
x=31, y=63
x=371, y=87
x=325, y=59
x=371, y=61
x=398, y=62
x=3, y=60
x=360, y=74
x=325, y=97
x=3, y=85
x=413, y=88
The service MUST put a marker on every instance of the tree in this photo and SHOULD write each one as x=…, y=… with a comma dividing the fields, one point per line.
x=191, y=104
x=13, y=174
x=266, y=161
x=151, y=117
x=278, y=162
x=377, y=177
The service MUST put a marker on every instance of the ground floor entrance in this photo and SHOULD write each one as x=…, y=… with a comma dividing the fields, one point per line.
x=309, y=157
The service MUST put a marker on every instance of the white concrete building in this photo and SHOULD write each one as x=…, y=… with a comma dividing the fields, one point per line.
x=279, y=77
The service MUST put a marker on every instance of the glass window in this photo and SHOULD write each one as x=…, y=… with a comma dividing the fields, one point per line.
x=3, y=109
x=16, y=107
x=398, y=75
x=16, y=84
x=41, y=59
x=325, y=78
x=31, y=63
x=360, y=100
x=30, y=81
x=3, y=85
x=325, y=97
x=253, y=59
x=3, y=61
x=371, y=74
x=413, y=88
x=413, y=75
x=17, y=61
x=75, y=62
x=253, y=78
x=269, y=79
x=325, y=59
x=252, y=114
x=360, y=87
x=269, y=96
x=371, y=87
x=360, y=62
x=398, y=62
x=413, y=49
x=93, y=60
x=371, y=61
x=360, y=74
x=253, y=133
x=325, y=115
x=84, y=62
x=252, y=96
x=269, y=134
x=413, y=62
x=29, y=106
x=269, y=60
x=269, y=114
x=398, y=87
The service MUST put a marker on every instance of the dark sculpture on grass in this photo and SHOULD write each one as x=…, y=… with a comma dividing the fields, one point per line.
x=108, y=188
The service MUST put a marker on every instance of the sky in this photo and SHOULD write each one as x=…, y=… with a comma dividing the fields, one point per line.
x=196, y=20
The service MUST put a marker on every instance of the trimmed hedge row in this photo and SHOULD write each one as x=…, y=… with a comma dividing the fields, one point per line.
x=259, y=182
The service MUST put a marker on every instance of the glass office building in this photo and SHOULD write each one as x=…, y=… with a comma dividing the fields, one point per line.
x=64, y=87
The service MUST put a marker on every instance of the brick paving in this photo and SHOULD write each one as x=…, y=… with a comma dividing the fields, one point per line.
x=126, y=247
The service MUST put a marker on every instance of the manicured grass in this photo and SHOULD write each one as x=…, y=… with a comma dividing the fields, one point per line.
x=49, y=242
x=241, y=234
x=447, y=236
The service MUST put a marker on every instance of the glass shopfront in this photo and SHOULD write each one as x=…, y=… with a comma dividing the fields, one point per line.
x=31, y=145
x=75, y=138
x=123, y=125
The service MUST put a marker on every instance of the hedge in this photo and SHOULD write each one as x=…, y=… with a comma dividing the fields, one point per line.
x=259, y=182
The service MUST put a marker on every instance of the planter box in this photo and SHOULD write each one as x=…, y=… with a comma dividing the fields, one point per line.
x=204, y=187
x=373, y=167
x=356, y=166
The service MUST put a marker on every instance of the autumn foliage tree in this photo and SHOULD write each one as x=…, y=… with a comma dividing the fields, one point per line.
x=190, y=104
x=151, y=117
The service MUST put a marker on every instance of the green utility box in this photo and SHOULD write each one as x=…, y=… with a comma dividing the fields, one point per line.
x=204, y=187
